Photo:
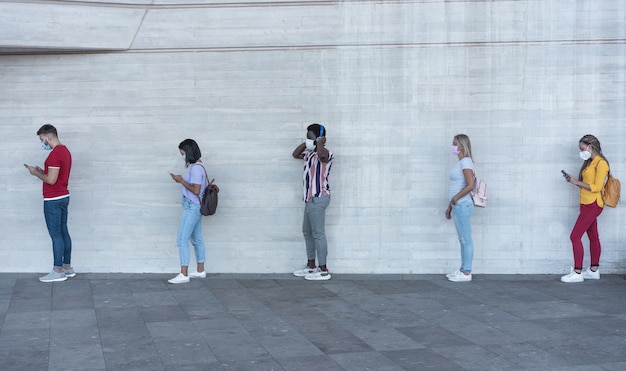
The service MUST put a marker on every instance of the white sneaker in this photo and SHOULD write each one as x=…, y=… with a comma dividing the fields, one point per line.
x=453, y=274
x=461, y=277
x=197, y=274
x=179, y=279
x=320, y=275
x=305, y=271
x=588, y=274
x=573, y=277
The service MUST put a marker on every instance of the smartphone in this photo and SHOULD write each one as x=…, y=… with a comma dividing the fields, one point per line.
x=563, y=172
x=26, y=166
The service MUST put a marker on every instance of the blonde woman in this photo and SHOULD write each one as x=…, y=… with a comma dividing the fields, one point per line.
x=461, y=206
x=591, y=177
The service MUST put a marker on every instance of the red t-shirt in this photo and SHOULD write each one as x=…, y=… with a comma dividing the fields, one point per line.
x=60, y=158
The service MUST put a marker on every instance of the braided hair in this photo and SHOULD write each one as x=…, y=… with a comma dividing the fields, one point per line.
x=594, y=143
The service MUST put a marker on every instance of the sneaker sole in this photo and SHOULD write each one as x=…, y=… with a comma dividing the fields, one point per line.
x=453, y=279
x=591, y=278
x=302, y=274
x=54, y=280
x=177, y=282
x=70, y=275
x=323, y=278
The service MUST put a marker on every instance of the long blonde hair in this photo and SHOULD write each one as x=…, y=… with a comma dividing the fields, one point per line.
x=463, y=141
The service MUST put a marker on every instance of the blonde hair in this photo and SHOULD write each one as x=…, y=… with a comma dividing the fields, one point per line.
x=463, y=141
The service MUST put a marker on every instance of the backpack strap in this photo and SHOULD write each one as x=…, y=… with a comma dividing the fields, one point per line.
x=206, y=178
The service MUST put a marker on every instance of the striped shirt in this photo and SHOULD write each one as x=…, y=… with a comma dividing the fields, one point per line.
x=315, y=177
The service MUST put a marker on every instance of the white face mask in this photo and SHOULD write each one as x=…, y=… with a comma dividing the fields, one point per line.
x=585, y=155
x=455, y=150
x=310, y=144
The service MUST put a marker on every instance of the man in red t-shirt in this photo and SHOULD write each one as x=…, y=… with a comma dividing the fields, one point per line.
x=56, y=198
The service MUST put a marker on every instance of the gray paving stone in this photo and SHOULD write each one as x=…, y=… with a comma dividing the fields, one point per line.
x=309, y=362
x=77, y=357
x=279, y=322
x=27, y=320
x=431, y=336
x=114, y=300
x=229, y=341
x=161, y=313
x=420, y=359
x=264, y=363
x=474, y=357
x=365, y=361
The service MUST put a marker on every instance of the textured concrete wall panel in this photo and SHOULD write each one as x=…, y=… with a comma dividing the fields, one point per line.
x=393, y=82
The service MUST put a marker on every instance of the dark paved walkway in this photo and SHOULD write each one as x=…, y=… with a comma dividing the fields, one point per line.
x=280, y=322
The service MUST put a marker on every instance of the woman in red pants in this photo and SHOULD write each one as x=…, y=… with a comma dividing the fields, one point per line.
x=590, y=180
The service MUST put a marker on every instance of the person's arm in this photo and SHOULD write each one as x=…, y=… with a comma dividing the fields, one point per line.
x=322, y=152
x=297, y=153
x=602, y=170
x=193, y=188
x=468, y=174
x=50, y=177
x=576, y=182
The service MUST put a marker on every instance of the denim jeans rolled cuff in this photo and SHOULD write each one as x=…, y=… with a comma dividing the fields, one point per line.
x=461, y=213
x=55, y=213
x=190, y=231
x=314, y=228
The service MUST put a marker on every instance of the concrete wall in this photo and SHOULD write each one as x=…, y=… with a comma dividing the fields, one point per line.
x=392, y=81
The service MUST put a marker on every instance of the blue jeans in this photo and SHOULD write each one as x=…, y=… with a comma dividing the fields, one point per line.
x=313, y=228
x=55, y=212
x=190, y=230
x=461, y=213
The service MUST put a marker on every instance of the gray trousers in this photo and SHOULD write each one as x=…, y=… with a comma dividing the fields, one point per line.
x=313, y=228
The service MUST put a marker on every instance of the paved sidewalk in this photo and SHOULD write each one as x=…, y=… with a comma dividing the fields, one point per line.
x=280, y=322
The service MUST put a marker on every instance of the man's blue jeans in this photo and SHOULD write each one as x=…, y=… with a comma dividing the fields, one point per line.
x=55, y=212
x=461, y=213
x=313, y=228
x=190, y=230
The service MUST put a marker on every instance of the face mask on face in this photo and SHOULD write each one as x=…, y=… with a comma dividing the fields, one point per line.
x=455, y=150
x=585, y=155
x=45, y=146
x=184, y=158
x=310, y=144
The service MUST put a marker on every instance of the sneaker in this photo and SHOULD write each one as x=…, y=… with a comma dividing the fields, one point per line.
x=573, y=277
x=197, y=274
x=588, y=274
x=69, y=273
x=461, y=277
x=305, y=271
x=53, y=276
x=319, y=275
x=179, y=279
x=453, y=274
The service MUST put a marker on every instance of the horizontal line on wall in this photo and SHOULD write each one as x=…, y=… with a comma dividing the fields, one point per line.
x=242, y=4
x=232, y=49
x=381, y=46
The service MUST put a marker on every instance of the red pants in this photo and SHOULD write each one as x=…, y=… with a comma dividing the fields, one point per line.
x=587, y=222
